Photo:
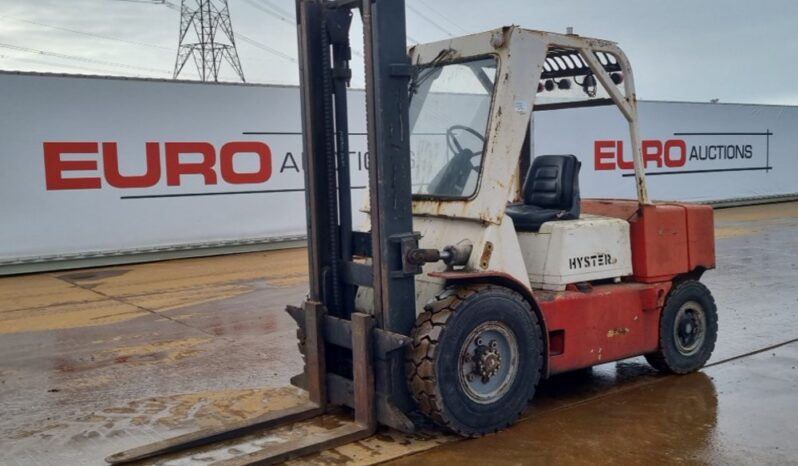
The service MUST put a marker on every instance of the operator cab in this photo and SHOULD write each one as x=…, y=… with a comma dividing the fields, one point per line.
x=459, y=136
x=472, y=111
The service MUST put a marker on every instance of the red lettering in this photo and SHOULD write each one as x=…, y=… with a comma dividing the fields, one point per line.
x=652, y=152
x=55, y=166
x=623, y=164
x=604, y=158
x=230, y=150
x=117, y=180
x=175, y=168
x=681, y=153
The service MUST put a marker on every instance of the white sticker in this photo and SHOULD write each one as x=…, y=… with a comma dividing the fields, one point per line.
x=521, y=106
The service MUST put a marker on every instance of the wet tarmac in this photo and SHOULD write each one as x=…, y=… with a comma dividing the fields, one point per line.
x=95, y=361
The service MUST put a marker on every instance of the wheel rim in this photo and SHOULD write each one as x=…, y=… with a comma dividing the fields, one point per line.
x=488, y=362
x=689, y=328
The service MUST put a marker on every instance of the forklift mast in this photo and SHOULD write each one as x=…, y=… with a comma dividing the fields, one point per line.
x=353, y=358
x=325, y=52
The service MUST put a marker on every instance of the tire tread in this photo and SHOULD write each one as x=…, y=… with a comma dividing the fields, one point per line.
x=660, y=359
x=428, y=331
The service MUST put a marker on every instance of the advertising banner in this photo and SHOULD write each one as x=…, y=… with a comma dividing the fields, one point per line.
x=692, y=151
x=108, y=166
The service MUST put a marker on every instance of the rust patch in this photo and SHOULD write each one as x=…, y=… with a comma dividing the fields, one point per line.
x=544, y=295
x=484, y=261
x=617, y=332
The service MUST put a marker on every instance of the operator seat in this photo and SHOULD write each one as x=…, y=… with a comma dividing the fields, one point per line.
x=551, y=192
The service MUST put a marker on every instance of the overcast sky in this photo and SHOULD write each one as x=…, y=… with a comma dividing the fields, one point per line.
x=694, y=50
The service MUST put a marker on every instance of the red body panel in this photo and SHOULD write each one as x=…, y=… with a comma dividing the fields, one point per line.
x=700, y=236
x=659, y=243
x=607, y=323
x=667, y=239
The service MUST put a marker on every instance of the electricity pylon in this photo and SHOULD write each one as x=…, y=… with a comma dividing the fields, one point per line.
x=206, y=35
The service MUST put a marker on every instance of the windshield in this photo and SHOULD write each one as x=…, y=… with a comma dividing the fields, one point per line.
x=449, y=109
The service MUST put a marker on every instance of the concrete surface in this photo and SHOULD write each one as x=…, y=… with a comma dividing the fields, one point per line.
x=95, y=361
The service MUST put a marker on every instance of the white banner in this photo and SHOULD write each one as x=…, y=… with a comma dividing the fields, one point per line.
x=692, y=151
x=103, y=165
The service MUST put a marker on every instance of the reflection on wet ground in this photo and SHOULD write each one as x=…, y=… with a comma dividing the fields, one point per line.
x=100, y=360
x=733, y=413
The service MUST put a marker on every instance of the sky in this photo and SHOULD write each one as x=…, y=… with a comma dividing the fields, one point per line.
x=686, y=50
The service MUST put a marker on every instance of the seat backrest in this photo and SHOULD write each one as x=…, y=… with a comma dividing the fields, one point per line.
x=553, y=183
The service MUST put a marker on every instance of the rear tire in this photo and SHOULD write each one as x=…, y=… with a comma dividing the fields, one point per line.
x=688, y=329
x=476, y=359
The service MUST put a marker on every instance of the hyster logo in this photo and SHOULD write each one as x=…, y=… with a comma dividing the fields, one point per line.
x=56, y=165
x=596, y=260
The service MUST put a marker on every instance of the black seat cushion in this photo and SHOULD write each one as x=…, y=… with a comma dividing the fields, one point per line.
x=531, y=217
x=551, y=192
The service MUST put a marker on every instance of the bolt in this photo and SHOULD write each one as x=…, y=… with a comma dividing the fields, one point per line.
x=467, y=357
x=470, y=377
x=485, y=379
x=493, y=344
x=479, y=341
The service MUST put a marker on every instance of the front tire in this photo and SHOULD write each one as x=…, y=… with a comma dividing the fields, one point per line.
x=476, y=359
x=688, y=329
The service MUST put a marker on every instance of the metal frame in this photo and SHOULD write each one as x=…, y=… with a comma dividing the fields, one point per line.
x=518, y=77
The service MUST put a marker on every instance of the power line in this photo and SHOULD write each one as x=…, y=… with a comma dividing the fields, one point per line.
x=65, y=65
x=278, y=9
x=428, y=6
x=427, y=19
x=265, y=47
x=169, y=4
x=240, y=36
x=165, y=3
x=244, y=38
x=89, y=34
x=77, y=58
x=97, y=71
x=271, y=13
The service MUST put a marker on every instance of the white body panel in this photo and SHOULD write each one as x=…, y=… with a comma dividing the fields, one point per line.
x=572, y=251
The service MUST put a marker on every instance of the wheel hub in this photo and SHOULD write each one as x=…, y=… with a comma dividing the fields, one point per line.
x=688, y=328
x=488, y=362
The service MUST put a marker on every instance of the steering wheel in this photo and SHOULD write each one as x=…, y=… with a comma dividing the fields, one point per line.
x=454, y=145
x=452, y=178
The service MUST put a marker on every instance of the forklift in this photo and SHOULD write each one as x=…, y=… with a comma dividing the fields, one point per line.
x=481, y=270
